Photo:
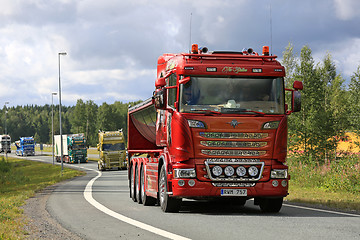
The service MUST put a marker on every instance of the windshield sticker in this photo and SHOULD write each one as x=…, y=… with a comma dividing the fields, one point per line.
x=234, y=69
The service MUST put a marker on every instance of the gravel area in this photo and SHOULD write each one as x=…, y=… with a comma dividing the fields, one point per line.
x=39, y=223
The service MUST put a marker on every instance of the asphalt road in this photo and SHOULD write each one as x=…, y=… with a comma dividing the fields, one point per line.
x=97, y=206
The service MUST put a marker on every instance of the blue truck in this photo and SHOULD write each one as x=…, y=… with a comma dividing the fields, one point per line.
x=25, y=146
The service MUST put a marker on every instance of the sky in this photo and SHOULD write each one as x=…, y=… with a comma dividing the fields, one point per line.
x=112, y=46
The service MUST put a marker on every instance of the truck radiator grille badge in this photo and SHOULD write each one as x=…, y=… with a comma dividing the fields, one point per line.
x=233, y=123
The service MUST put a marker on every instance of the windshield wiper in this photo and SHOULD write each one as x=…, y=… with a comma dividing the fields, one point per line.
x=206, y=111
x=239, y=111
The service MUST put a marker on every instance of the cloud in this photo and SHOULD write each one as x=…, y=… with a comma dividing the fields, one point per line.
x=112, y=46
x=347, y=9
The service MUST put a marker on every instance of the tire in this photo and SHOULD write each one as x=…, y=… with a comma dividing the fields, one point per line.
x=132, y=185
x=167, y=203
x=138, y=187
x=271, y=205
x=100, y=167
x=146, y=200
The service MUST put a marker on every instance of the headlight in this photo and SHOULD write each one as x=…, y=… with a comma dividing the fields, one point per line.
x=253, y=171
x=184, y=173
x=229, y=171
x=217, y=171
x=271, y=125
x=279, y=173
x=196, y=124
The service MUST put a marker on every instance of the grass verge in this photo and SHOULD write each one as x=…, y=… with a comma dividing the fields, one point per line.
x=342, y=201
x=333, y=185
x=19, y=180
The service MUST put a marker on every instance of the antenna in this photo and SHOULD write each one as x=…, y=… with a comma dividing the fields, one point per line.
x=190, y=34
x=271, y=48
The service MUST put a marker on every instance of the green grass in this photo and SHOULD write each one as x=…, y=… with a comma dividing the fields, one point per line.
x=319, y=197
x=19, y=180
x=334, y=185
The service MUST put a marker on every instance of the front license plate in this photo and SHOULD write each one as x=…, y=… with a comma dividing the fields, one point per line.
x=234, y=192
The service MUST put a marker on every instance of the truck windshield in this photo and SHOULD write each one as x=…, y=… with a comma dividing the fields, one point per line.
x=113, y=147
x=233, y=95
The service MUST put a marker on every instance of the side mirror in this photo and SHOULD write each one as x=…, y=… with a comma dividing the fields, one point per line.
x=296, y=101
x=160, y=82
x=298, y=85
x=159, y=98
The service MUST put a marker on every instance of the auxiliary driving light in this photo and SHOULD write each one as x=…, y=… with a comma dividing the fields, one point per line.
x=191, y=182
x=253, y=171
x=229, y=171
x=181, y=183
x=217, y=171
x=275, y=183
x=241, y=171
x=284, y=183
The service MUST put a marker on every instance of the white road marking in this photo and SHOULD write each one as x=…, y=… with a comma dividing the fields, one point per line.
x=88, y=196
x=322, y=210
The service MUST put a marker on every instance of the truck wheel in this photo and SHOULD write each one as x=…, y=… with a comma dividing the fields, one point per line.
x=138, y=187
x=271, y=205
x=167, y=203
x=146, y=200
x=132, y=185
x=99, y=167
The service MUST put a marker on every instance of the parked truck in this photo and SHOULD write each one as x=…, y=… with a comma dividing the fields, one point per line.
x=25, y=146
x=111, y=147
x=74, y=148
x=216, y=127
x=5, y=143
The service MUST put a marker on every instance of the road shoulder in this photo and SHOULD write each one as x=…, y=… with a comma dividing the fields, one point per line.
x=39, y=223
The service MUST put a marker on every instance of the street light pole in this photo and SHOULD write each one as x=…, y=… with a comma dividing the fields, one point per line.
x=52, y=123
x=61, y=140
x=6, y=142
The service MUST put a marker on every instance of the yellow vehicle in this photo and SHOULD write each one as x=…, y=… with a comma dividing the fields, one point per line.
x=111, y=147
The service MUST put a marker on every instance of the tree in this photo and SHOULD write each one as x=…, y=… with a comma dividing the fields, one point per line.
x=354, y=101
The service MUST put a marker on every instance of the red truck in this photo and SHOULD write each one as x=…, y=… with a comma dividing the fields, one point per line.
x=215, y=127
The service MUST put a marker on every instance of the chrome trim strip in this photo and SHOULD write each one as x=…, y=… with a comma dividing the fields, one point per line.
x=225, y=152
x=232, y=135
x=234, y=184
x=233, y=144
x=232, y=160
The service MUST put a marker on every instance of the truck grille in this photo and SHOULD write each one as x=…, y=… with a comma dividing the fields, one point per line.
x=233, y=157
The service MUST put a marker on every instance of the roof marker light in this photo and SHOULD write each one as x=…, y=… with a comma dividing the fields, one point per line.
x=194, y=48
x=266, y=51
